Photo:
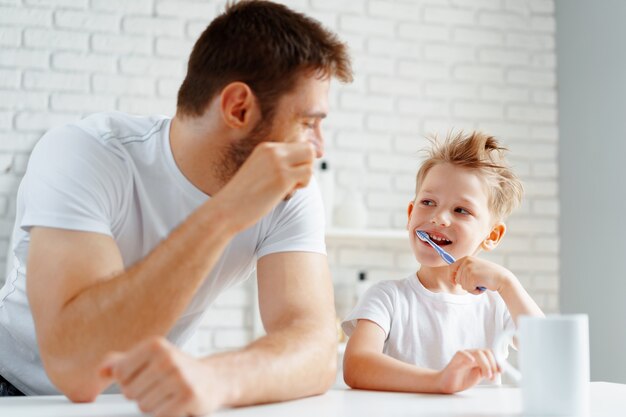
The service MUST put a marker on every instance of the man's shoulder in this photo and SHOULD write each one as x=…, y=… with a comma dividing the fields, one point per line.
x=106, y=127
x=120, y=127
x=102, y=135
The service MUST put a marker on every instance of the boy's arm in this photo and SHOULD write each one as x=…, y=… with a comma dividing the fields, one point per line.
x=517, y=299
x=471, y=272
x=366, y=367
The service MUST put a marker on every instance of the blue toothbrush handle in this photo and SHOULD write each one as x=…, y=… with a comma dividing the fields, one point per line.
x=449, y=259
x=445, y=255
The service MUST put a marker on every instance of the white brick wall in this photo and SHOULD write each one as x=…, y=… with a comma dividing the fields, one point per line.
x=422, y=66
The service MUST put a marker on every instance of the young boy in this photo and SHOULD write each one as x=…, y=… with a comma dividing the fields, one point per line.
x=433, y=331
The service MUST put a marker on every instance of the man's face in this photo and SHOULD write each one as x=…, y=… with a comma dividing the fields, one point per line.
x=299, y=114
x=452, y=206
x=297, y=118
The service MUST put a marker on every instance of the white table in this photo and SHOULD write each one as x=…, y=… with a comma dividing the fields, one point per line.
x=607, y=400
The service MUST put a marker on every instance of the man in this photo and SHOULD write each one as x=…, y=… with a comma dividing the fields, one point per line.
x=129, y=227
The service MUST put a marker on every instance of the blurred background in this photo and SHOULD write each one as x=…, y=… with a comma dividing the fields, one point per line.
x=422, y=67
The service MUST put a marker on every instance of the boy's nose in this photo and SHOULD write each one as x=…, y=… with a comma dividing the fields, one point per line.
x=441, y=220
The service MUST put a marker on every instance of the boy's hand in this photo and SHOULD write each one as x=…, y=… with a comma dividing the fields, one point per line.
x=471, y=272
x=466, y=369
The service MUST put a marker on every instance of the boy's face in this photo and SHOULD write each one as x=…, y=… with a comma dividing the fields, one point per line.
x=452, y=207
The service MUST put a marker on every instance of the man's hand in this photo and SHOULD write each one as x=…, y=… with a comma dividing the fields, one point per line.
x=164, y=381
x=471, y=272
x=466, y=369
x=270, y=174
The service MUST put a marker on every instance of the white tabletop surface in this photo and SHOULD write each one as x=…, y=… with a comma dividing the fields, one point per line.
x=607, y=400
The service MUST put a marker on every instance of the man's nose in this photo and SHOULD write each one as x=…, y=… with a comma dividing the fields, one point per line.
x=318, y=142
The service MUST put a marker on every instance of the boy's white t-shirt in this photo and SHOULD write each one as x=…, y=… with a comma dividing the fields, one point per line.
x=425, y=328
x=115, y=174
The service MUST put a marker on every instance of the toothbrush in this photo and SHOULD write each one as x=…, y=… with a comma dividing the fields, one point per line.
x=444, y=255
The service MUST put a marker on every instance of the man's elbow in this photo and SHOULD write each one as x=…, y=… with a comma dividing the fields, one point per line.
x=80, y=394
x=328, y=373
x=78, y=390
x=79, y=384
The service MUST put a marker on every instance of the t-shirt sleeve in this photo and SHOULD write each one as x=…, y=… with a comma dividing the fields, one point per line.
x=72, y=182
x=508, y=323
x=375, y=305
x=505, y=325
x=296, y=225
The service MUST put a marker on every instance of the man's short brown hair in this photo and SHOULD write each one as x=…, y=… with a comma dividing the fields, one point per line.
x=265, y=45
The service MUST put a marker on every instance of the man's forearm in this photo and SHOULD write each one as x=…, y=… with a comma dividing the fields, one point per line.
x=298, y=361
x=143, y=301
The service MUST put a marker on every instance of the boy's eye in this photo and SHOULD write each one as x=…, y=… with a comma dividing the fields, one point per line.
x=461, y=210
x=309, y=124
x=427, y=202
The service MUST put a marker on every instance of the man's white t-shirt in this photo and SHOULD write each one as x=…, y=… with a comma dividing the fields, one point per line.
x=425, y=328
x=115, y=174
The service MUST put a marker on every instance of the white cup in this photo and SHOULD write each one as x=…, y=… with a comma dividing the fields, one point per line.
x=554, y=364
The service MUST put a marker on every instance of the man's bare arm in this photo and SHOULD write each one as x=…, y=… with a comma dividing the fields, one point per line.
x=298, y=355
x=85, y=304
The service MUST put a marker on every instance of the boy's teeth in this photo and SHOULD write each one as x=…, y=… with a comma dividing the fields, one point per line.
x=439, y=239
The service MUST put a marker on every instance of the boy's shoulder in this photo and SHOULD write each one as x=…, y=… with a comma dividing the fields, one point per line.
x=393, y=288
x=408, y=291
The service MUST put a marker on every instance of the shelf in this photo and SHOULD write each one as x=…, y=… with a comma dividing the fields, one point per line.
x=366, y=235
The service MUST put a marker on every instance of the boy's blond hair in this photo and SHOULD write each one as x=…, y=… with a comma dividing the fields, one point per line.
x=481, y=152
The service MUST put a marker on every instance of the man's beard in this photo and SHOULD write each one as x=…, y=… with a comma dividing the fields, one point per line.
x=238, y=152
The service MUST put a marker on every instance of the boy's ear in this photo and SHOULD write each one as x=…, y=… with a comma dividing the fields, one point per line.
x=495, y=236
x=239, y=106
x=409, y=211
